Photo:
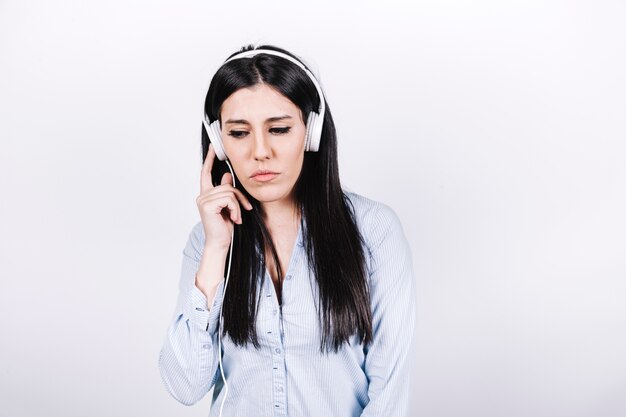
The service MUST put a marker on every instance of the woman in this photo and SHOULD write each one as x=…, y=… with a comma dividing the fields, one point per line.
x=317, y=313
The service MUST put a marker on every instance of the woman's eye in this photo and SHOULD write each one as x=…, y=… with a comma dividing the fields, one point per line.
x=275, y=130
x=280, y=130
x=237, y=133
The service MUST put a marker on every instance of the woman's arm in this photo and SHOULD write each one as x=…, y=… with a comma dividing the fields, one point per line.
x=388, y=364
x=188, y=360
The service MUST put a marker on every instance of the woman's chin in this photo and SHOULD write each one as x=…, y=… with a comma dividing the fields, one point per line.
x=269, y=196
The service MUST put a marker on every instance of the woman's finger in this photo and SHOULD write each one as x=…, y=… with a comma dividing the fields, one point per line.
x=227, y=178
x=241, y=197
x=220, y=200
x=233, y=207
x=205, y=174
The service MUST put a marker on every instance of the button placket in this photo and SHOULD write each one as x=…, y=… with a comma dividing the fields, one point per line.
x=277, y=353
x=276, y=335
x=278, y=373
x=291, y=270
x=271, y=307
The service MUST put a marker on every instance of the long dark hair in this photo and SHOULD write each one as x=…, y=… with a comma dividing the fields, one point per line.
x=334, y=254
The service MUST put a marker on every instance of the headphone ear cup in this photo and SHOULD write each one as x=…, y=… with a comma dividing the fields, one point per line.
x=313, y=132
x=214, y=131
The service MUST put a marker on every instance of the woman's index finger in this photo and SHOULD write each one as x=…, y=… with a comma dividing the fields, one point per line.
x=205, y=175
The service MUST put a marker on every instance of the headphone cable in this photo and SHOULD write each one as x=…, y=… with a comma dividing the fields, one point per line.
x=221, y=323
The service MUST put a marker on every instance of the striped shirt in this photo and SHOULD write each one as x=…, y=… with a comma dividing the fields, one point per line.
x=288, y=375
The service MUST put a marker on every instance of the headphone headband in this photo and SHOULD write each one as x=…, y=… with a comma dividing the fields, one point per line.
x=251, y=53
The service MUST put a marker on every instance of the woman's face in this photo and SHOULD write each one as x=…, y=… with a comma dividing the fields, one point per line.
x=263, y=129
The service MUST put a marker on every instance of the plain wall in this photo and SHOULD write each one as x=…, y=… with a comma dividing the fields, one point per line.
x=495, y=129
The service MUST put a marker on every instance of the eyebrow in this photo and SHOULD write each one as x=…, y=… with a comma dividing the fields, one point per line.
x=245, y=122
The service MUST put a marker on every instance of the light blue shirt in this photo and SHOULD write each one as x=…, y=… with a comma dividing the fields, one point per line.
x=288, y=376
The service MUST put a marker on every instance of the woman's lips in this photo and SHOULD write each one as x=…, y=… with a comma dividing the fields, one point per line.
x=264, y=177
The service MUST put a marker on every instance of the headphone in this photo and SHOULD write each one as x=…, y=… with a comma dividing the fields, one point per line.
x=314, y=123
x=313, y=137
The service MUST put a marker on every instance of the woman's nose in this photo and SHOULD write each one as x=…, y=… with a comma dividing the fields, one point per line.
x=261, y=145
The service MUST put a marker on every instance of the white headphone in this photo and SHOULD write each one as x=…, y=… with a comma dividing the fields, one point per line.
x=314, y=123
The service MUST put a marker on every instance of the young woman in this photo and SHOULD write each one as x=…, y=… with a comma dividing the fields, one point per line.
x=311, y=285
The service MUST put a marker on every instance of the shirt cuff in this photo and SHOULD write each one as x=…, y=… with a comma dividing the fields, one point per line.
x=197, y=308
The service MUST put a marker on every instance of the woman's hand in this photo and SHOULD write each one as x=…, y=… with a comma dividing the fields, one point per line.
x=219, y=206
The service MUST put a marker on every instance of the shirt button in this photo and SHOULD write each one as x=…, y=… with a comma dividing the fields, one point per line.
x=277, y=350
x=205, y=346
x=288, y=277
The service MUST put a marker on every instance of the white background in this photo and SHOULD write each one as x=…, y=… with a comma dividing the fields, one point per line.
x=495, y=129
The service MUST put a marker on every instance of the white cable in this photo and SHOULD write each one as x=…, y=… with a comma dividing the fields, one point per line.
x=219, y=331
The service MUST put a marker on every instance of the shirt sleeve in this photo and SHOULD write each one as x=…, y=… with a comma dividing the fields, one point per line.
x=188, y=360
x=388, y=364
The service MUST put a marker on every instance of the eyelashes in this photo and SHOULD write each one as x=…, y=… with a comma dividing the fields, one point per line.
x=274, y=130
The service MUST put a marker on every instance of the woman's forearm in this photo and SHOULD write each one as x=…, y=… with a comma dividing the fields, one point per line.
x=210, y=272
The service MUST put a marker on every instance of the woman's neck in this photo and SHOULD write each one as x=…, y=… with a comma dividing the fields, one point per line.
x=280, y=216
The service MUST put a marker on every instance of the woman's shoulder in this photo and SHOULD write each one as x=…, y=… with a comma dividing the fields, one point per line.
x=376, y=220
x=366, y=208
